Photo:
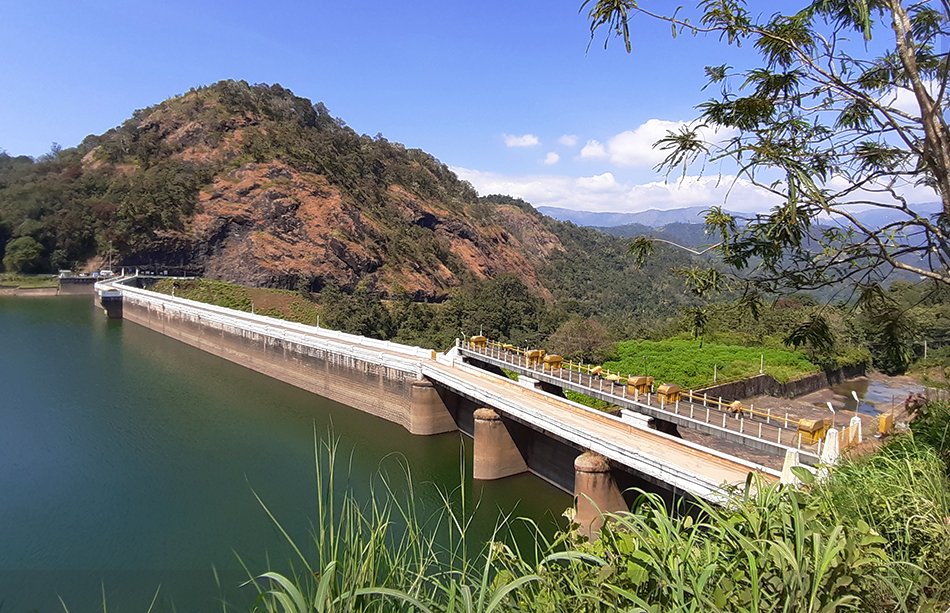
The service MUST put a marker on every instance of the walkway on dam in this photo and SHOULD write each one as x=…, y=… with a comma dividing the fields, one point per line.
x=684, y=465
x=755, y=430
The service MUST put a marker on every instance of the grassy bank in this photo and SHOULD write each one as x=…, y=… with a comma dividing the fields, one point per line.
x=28, y=281
x=692, y=366
x=282, y=304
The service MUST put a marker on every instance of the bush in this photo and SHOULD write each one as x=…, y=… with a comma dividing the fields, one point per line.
x=24, y=255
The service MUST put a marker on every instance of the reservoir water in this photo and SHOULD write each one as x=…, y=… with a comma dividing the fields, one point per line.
x=130, y=461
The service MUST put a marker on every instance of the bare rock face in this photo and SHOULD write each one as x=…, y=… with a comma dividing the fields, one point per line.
x=290, y=197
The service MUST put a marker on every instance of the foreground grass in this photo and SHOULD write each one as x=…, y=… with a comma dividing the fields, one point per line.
x=872, y=537
x=690, y=366
x=282, y=304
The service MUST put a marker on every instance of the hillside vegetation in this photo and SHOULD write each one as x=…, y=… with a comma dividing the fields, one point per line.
x=254, y=185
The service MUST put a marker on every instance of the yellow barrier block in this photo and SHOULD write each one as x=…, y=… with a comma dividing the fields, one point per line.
x=813, y=430
x=640, y=384
x=886, y=423
x=668, y=393
x=535, y=356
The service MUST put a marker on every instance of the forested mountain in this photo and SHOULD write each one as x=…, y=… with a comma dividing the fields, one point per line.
x=255, y=185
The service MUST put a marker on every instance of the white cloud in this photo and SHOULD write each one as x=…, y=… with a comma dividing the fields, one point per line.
x=568, y=140
x=904, y=99
x=604, y=192
x=593, y=150
x=635, y=148
x=551, y=158
x=520, y=140
x=598, y=183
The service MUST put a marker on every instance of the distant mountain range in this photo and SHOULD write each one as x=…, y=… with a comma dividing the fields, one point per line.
x=653, y=218
x=633, y=224
x=686, y=234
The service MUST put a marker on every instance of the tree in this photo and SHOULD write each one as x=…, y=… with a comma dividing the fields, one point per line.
x=844, y=109
x=586, y=340
x=24, y=254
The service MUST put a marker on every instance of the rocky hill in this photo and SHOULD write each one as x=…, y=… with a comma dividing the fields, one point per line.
x=255, y=185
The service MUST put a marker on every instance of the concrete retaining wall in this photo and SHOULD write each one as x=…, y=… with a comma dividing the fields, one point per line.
x=378, y=390
x=765, y=384
x=77, y=285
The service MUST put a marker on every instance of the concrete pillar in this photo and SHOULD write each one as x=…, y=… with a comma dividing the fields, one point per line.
x=428, y=411
x=496, y=454
x=595, y=492
x=111, y=306
x=857, y=437
x=830, y=450
x=791, y=461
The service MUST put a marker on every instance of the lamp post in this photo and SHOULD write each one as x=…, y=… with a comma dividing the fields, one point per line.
x=833, y=413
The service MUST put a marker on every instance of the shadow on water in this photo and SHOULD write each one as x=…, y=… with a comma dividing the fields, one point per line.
x=129, y=460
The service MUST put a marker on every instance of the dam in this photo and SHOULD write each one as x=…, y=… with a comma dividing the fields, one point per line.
x=590, y=454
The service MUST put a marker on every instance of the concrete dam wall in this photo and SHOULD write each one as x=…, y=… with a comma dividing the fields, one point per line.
x=396, y=394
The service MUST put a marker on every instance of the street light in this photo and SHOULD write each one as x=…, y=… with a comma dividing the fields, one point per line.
x=832, y=409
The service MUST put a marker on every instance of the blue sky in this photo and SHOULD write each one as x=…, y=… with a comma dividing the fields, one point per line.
x=505, y=93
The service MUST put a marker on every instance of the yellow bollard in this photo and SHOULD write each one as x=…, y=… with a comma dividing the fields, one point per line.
x=886, y=424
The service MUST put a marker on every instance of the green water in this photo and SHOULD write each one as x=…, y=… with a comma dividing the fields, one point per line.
x=129, y=461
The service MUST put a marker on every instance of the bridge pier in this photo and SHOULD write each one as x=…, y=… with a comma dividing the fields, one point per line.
x=111, y=306
x=595, y=492
x=496, y=455
x=429, y=409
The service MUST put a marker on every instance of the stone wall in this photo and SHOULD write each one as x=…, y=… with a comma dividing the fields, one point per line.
x=765, y=384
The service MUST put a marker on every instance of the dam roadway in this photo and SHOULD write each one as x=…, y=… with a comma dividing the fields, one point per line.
x=516, y=428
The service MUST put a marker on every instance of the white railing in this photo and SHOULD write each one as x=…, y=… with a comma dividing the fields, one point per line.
x=383, y=353
x=709, y=415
